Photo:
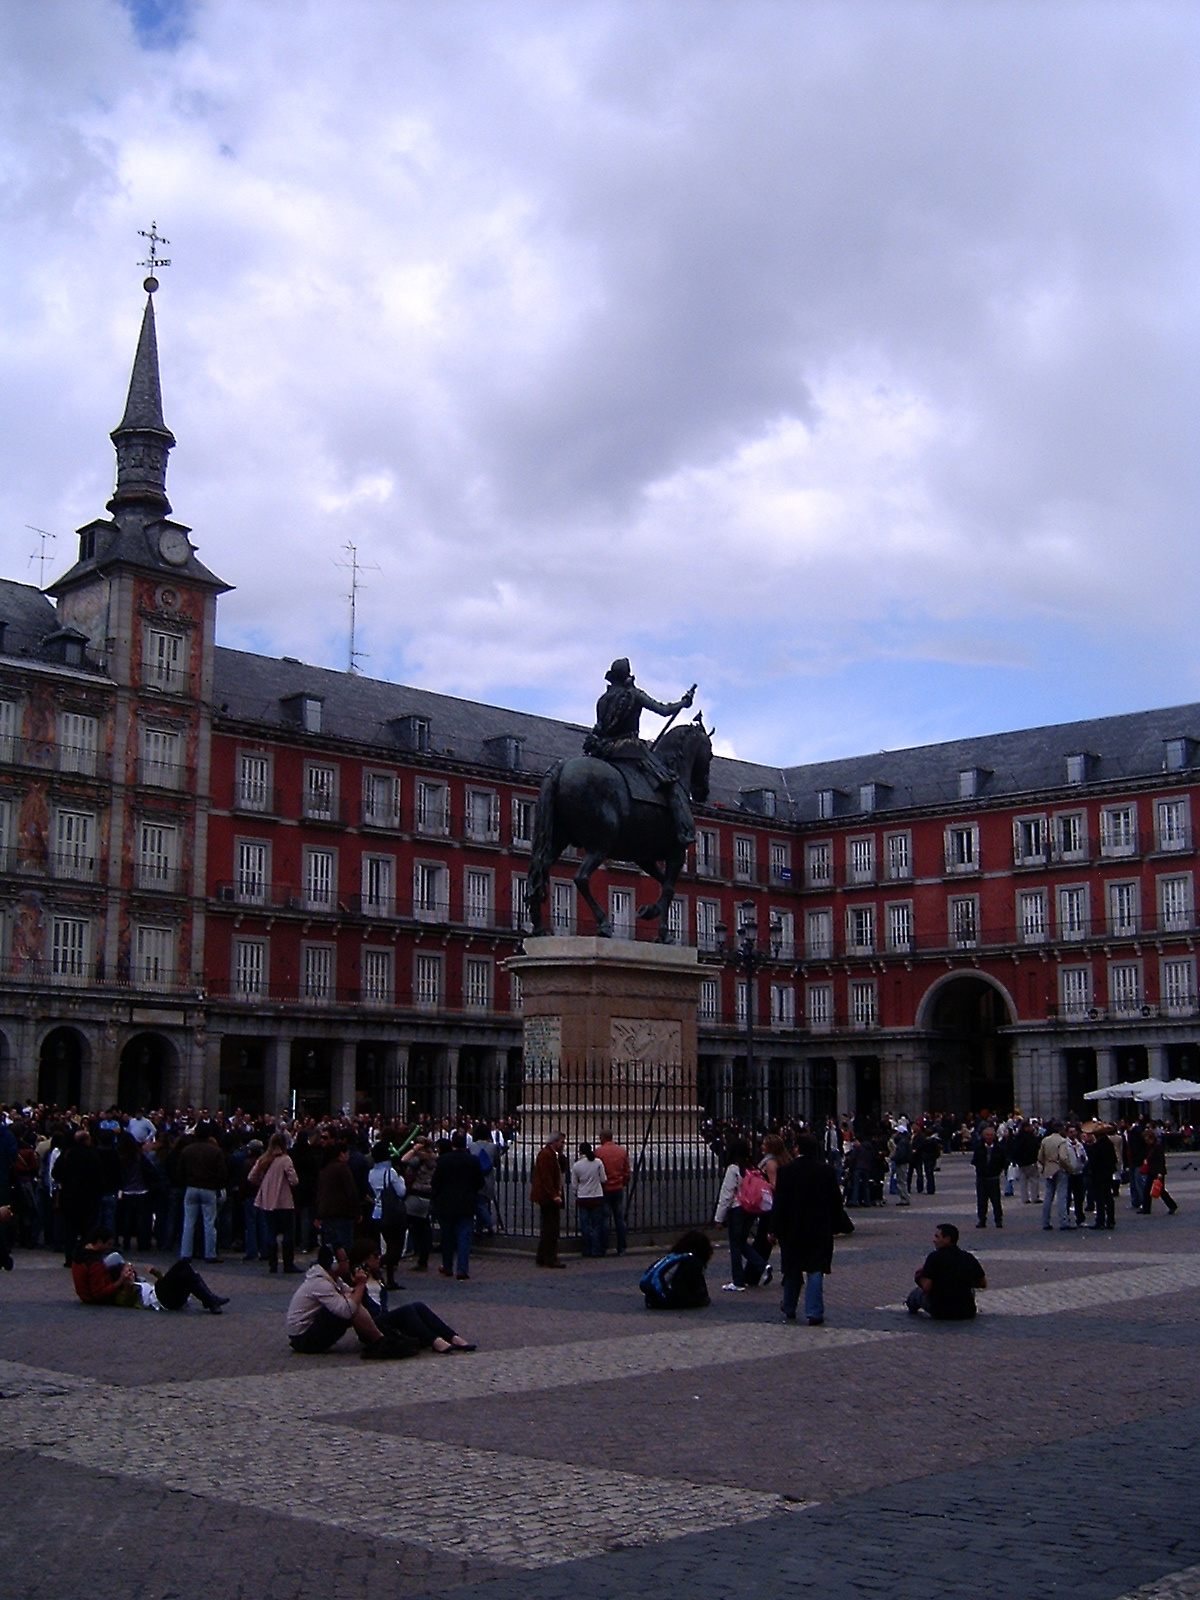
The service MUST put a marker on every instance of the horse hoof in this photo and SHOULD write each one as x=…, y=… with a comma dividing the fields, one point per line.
x=649, y=913
x=604, y=930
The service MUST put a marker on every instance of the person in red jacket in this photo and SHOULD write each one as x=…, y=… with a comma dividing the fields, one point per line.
x=102, y=1278
x=546, y=1192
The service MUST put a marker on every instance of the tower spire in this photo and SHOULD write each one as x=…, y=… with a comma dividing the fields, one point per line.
x=141, y=438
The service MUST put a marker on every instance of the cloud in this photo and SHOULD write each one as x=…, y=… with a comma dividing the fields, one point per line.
x=811, y=351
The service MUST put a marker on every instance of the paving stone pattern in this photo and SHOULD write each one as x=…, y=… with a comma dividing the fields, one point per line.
x=590, y=1449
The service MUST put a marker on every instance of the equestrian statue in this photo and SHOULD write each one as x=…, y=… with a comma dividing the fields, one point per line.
x=623, y=799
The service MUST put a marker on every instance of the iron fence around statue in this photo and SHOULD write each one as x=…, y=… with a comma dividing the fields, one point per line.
x=674, y=1174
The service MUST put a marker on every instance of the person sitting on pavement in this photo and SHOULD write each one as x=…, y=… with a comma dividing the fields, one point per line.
x=413, y=1321
x=102, y=1277
x=324, y=1307
x=676, y=1281
x=947, y=1279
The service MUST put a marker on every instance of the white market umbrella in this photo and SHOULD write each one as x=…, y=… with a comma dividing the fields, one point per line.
x=1181, y=1089
x=1116, y=1091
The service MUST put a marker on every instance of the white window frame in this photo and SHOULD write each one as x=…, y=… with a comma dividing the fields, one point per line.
x=710, y=1000
x=381, y=799
x=429, y=980
x=320, y=791
x=860, y=858
x=1030, y=840
x=962, y=921
x=477, y=983
x=1123, y=907
x=1075, y=991
x=621, y=912
x=1172, y=824
x=318, y=973
x=677, y=920
x=708, y=915
x=744, y=858
x=1126, y=992
x=1063, y=849
x=432, y=807
x=254, y=788
x=898, y=923
x=1069, y=928
x=479, y=897
x=1119, y=829
x=378, y=885
x=519, y=907
x=1033, y=924
x=861, y=930
x=10, y=721
x=157, y=855
x=320, y=878
x=897, y=852
x=818, y=864
x=155, y=956
x=864, y=1003
x=164, y=661
x=819, y=1007
x=962, y=849
x=818, y=934
x=485, y=828
x=377, y=977
x=783, y=1005
x=1175, y=902
x=252, y=871
x=431, y=891
x=524, y=817
x=70, y=949
x=781, y=926
x=1177, y=985
x=781, y=861
x=159, y=759
x=708, y=853
x=250, y=977
x=78, y=734
x=75, y=833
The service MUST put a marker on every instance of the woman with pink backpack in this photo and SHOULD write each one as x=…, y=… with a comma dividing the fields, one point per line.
x=745, y=1196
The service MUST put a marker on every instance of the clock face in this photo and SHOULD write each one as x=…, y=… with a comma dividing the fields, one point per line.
x=173, y=546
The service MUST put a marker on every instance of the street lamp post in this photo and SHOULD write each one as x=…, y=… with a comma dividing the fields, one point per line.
x=744, y=955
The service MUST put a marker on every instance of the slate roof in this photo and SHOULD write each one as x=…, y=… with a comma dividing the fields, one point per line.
x=250, y=688
x=29, y=617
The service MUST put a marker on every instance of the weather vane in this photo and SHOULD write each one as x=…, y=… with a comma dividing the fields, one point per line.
x=153, y=261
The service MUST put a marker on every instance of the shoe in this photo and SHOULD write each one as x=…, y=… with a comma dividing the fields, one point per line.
x=444, y=1272
x=767, y=1276
x=734, y=1288
x=463, y=1346
x=789, y=1316
x=461, y=1276
x=999, y=1224
x=816, y=1322
x=156, y=1272
x=981, y=1224
x=214, y=1305
x=1047, y=1227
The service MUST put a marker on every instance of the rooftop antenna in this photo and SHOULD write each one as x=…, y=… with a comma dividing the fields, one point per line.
x=354, y=567
x=40, y=555
x=153, y=260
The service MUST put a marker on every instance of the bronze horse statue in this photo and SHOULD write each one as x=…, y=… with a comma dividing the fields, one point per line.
x=587, y=803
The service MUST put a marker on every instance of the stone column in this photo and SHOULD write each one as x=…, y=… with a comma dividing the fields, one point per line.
x=277, y=1077
x=847, y=1088
x=18, y=1081
x=446, y=1098
x=343, y=1076
x=393, y=1080
x=1157, y=1066
x=904, y=1083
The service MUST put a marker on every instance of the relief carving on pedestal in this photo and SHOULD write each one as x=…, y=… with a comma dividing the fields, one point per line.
x=543, y=1049
x=644, y=1047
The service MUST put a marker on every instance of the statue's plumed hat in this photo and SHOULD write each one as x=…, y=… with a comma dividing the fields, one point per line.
x=619, y=671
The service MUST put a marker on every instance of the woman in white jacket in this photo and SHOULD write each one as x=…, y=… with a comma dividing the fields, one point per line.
x=741, y=1252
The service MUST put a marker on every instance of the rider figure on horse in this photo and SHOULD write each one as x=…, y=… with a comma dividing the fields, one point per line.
x=615, y=739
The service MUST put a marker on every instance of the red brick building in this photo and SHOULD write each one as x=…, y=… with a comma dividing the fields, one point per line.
x=234, y=879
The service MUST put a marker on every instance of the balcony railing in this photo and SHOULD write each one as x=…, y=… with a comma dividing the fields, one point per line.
x=69, y=760
x=150, y=877
x=257, y=802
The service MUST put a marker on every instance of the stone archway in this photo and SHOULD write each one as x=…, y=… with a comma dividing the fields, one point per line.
x=61, y=1063
x=146, y=1070
x=965, y=1019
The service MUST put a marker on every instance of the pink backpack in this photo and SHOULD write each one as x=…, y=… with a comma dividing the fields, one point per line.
x=754, y=1193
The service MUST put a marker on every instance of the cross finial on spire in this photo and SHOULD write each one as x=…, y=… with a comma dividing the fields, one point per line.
x=153, y=261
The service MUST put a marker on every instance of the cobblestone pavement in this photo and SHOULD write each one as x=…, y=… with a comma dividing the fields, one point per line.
x=589, y=1448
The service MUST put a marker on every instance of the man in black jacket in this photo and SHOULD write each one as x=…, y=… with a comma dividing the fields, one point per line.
x=991, y=1159
x=1100, y=1172
x=807, y=1213
x=457, y=1180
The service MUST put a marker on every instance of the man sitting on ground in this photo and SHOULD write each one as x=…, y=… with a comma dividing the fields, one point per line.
x=324, y=1307
x=947, y=1279
x=104, y=1278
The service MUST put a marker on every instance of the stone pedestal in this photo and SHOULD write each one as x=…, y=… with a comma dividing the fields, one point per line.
x=610, y=1038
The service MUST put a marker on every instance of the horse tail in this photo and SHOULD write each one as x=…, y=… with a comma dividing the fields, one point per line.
x=541, y=855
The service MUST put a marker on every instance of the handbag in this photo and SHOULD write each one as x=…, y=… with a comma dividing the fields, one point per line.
x=391, y=1207
x=1156, y=1189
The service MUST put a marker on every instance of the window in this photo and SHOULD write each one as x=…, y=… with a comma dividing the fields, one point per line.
x=620, y=913
x=78, y=737
x=1171, y=824
x=8, y=729
x=477, y=898
x=310, y=712
x=708, y=853
x=523, y=813
x=783, y=935
x=743, y=858
x=867, y=796
x=320, y=880
x=6, y=835
x=860, y=929
x=710, y=1000
x=898, y=855
x=165, y=663
x=562, y=906
x=968, y=783
x=427, y=980
x=863, y=1004
x=431, y=892
x=1031, y=916
x=379, y=886
x=900, y=926
x=69, y=949
x=250, y=885
x=1125, y=987
x=378, y=968
x=520, y=911
x=1176, y=754
x=154, y=958
x=477, y=983
x=253, y=783
x=516, y=997
x=1070, y=836
x=1075, y=989
x=677, y=920
x=1178, y=986
x=1029, y=840
x=708, y=914
x=820, y=1005
x=964, y=922
x=1175, y=904
x=317, y=980
x=783, y=1005
x=825, y=803
x=161, y=764
x=1073, y=913
x=433, y=808
x=741, y=999
x=249, y=968
x=320, y=792
x=1077, y=768
x=743, y=914
x=860, y=859
x=483, y=815
x=818, y=935
x=1118, y=830
x=818, y=865
x=962, y=849
x=158, y=856
x=781, y=861
x=1124, y=908
x=381, y=800
x=74, y=836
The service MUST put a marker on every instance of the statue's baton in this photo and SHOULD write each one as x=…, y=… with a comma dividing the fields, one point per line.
x=671, y=718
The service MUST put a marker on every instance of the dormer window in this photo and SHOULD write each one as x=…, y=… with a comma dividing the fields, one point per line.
x=1077, y=767
x=970, y=782
x=1177, y=754
x=413, y=733
x=763, y=802
x=303, y=710
x=825, y=803
x=504, y=751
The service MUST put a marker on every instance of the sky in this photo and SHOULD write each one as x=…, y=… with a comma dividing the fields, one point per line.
x=839, y=358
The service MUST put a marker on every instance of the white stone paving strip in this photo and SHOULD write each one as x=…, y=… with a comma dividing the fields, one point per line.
x=1169, y=1276
x=1183, y=1585
x=481, y=1504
